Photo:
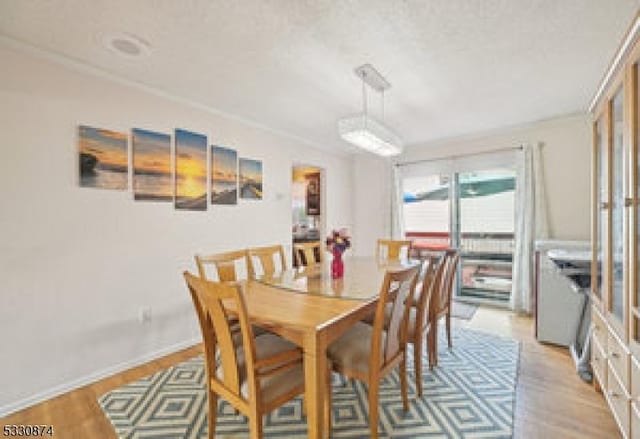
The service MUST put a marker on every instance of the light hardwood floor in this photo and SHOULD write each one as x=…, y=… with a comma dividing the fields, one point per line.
x=551, y=402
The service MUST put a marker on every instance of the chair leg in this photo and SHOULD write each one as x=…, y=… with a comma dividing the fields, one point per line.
x=417, y=363
x=432, y=345
x=403, y=382
x=213, y=411
x=255, y=425
x=373, y=409
x=448, y=322
x=327, y=407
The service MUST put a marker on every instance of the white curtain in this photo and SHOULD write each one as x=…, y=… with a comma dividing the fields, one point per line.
x=397, y=220
x=530, y=224
x=540, y=202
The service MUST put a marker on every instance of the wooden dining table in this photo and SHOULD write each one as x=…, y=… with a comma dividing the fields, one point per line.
x=309, y=308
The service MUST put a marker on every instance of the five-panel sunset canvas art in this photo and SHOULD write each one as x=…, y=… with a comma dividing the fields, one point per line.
x=158, y=175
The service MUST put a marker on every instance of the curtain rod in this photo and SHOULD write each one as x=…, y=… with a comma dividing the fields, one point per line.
x=457, y=156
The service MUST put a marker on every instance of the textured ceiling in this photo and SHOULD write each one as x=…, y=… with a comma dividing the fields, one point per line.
x=457, y=66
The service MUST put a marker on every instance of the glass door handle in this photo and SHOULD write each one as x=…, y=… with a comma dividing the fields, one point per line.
x=604, y=205
x=628, y=202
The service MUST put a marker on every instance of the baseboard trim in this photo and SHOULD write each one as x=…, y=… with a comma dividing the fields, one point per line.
x=58, y=390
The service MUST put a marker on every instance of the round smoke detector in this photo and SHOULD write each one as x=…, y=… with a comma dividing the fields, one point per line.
x=126, y=45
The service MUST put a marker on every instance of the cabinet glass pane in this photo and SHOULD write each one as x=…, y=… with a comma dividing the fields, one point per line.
x=601, y=197
x=617, y=208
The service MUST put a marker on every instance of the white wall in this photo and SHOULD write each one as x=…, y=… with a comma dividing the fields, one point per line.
x=371, y=202
x=78, y=263
x=567, y=166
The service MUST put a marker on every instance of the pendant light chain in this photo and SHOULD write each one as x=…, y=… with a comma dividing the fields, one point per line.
x=365, y=106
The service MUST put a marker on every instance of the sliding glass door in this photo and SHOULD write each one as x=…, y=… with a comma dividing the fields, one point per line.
x=486, y=201
x=449, y=203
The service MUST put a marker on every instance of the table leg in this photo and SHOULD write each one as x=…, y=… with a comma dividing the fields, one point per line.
x=315, y=379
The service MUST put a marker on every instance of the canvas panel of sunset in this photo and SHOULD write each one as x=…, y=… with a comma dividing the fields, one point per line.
x=103, y=158
x=152, y=176
x=250, y=179
x=191, y=170
x=224, y=175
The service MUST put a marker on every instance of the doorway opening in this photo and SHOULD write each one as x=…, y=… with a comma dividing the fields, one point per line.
x=307, y=206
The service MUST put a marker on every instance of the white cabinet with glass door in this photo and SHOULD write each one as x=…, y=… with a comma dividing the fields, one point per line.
x=615, y=344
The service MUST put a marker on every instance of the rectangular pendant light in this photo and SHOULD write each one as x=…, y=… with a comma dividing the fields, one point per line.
x=365, y=132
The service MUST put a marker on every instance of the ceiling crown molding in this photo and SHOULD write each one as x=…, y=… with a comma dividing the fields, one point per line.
x=82, y=67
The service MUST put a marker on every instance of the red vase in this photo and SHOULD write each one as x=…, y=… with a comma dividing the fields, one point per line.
x=337, y=265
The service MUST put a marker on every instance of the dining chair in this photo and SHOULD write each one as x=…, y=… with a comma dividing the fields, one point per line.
x=441, y=304
x=420, y=325
x=368, y=353
x=390, y=249
x=258, y=376
x=264, y=258
x=308, y=253
x=225, y=265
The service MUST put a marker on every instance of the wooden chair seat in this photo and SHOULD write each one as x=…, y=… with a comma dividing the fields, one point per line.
x=353, y=349
x=271, y=386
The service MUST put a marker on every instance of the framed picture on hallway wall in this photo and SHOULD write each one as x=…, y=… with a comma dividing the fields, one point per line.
x=313, y=193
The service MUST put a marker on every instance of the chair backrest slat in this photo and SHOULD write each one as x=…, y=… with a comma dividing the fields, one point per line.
x=391, y=249
x=265, y=256
x=214, y=321
x=308, y=253
x=445, y=289
x=224, y=263
x=432, y=278
x=396, y=288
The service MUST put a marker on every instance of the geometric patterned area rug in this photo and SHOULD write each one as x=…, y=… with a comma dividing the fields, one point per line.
x=471, y=394
x=462, y=310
